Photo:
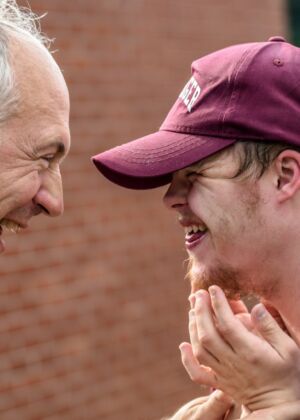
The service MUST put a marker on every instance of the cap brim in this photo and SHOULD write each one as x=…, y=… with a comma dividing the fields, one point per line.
x=149, y=162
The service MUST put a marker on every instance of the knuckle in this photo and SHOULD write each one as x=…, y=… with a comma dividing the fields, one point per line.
x=191, y=324
x=199, y=352
x=251, y=357
x=225, y=329
x=198, y=310
x=196, y=377
x=268, y=327
x=205, y=340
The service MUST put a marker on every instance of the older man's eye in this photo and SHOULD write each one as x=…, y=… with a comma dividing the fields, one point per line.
x=48, y=158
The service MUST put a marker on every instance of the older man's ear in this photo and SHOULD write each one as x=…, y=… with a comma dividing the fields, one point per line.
x=287, y=174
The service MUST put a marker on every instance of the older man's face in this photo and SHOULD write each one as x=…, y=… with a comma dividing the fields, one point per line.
x=228, y=233
x=34, y=142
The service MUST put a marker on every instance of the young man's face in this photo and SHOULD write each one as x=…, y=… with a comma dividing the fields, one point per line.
x=226, y=228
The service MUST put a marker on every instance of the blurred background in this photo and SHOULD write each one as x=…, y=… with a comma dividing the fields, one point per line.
x=94, y=305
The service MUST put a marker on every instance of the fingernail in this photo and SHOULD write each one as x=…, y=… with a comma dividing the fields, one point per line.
x=212, y=291
x=182, y=347
x=260, y=311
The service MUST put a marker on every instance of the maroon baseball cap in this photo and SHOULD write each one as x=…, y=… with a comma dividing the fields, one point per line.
x=244, y=92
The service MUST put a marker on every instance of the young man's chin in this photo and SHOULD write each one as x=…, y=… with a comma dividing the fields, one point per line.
x=202, y=277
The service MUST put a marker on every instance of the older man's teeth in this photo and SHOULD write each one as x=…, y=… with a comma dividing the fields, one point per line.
x=10, y=226
x=194, y=229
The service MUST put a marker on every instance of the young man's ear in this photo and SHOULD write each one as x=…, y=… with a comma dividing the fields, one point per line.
x=287, y=167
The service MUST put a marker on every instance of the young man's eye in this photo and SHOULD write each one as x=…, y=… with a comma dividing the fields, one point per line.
x=193, y=174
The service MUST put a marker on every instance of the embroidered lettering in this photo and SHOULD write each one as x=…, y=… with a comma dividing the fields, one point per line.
x=190, y=93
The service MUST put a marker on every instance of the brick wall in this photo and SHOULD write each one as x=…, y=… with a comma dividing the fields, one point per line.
x=93, y=305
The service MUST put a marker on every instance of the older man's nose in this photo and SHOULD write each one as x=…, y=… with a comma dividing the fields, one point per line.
x=50, y=196
x=51, y=204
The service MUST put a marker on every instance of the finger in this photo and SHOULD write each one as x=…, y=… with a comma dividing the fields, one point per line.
x=241, y=312
x=276, y=315
x=229, y=326
x=200, y=374
x=273, y=311
x=192, y=300
x=188, y=410
x=246, y=320
x=238, y=307
x=208, y=335
x=216, y=406
x=200, y=352
x=271, y=331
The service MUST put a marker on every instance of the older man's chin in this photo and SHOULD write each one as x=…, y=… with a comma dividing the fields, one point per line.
x=9, y=226
x=2, y=243
x=201, y=277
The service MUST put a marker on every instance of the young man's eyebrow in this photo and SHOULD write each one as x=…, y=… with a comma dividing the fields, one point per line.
x=198, y=165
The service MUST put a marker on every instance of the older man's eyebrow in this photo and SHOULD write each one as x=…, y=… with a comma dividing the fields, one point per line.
x=57, y=144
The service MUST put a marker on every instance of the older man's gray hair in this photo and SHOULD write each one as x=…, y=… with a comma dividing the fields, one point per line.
x=21, y=22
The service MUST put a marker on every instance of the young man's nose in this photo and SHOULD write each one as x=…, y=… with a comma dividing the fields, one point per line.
x=176, y=195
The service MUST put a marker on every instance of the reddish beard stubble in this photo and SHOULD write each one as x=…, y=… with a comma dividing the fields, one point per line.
x=224, y=277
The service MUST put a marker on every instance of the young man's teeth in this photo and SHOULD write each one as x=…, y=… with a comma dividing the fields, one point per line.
x=194, y=229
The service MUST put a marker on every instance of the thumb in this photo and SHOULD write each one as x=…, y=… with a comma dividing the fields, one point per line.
x=198, y=373
x=216, y=406
x=269, y=329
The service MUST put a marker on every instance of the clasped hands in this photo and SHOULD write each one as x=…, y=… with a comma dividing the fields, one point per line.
x=248, y=358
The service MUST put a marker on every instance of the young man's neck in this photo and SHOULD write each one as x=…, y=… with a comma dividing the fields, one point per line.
x=286, y=299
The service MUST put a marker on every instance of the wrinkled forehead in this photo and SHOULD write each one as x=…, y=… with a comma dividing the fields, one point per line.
x=35, y=69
